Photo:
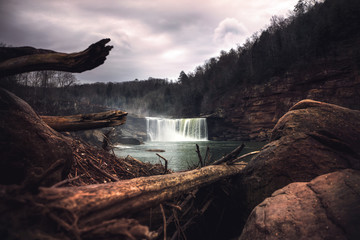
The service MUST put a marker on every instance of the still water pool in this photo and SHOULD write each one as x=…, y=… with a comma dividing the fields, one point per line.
x=182, y=155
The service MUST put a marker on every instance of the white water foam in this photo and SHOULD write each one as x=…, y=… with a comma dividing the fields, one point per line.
x=175, y=130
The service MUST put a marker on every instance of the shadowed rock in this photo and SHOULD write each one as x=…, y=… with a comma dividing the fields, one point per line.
x=312, y=139
x=328, y=207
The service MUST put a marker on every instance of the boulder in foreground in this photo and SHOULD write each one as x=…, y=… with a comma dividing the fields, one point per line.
x=312, y=139
x=327, y=207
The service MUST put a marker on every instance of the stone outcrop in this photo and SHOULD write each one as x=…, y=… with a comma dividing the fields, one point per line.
x=327, y=207
x=252, y=112
x=305, y=182
x=312, y=139
x=30, y=151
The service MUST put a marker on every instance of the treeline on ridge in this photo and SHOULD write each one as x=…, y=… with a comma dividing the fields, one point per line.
x=314, y=30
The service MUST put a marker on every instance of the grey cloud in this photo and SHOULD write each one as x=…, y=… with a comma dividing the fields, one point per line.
x=141, y=31
x=229, y=26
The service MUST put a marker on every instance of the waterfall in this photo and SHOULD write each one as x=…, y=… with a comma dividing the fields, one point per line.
x=185, y=129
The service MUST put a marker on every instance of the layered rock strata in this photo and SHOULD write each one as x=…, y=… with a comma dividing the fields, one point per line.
x=250, y=113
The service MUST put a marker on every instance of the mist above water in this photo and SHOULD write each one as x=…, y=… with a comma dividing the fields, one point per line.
x=176, y=130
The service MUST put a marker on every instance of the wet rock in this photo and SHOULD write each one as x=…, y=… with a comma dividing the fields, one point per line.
x=327, y=207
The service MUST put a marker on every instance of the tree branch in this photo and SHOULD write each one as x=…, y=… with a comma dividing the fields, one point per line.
x=27, y=59
x=230, y=156
x=86, y=121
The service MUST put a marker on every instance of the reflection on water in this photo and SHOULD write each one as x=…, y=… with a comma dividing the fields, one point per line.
x=181, y=155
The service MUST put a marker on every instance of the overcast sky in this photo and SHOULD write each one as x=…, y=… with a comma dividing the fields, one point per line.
x=151, y=38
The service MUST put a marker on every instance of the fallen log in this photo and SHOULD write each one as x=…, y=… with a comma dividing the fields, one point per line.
x=102, y=202
x=86, y=121
x=80, y=212
x=27, y=59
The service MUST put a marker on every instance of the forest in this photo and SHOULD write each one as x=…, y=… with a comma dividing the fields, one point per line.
x=314, y=30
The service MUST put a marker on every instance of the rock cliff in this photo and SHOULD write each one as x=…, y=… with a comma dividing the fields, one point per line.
x=250, y=113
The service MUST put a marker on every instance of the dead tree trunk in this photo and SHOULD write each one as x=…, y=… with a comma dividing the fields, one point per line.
x=106, y=201
x=85, y=121
x=98, y=211
x=27, y=59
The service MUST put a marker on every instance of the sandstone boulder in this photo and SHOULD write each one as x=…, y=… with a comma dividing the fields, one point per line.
x=312, y=139
x=29, y=147
x=327, y=207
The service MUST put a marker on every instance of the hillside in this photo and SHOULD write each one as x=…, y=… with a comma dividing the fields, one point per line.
x=251, y=113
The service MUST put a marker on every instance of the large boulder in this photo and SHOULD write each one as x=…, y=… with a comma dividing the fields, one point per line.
x=30, y=151
x=327, y=207
x=312, y=139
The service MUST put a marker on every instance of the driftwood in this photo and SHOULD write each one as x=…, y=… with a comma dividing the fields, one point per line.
x=230, y=156
x=83, y=211
x=105, y=201
x=199, y=156
x=165, y=160
x=207, y=156
x=242, y=157
x=27, y=59
x=86, y=121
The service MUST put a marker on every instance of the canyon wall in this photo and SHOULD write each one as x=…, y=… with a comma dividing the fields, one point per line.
x=250, y=113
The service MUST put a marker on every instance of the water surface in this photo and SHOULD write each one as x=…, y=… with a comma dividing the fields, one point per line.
x=182, y=155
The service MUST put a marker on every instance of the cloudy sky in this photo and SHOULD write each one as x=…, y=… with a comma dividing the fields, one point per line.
x=151, y=38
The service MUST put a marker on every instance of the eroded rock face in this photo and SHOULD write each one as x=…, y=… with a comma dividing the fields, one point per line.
x=28, y=147
x=327, y=207
x=312, y=139
x=251, y=112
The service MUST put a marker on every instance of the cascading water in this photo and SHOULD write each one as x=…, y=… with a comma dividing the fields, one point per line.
x=174, y=130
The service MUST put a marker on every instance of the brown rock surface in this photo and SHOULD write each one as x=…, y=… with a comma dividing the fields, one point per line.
x=28, y=147
x=328, y=207
x=312, y=139
x=251, y=112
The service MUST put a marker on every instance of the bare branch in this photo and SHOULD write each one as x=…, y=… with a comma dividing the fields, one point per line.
x=27, y=59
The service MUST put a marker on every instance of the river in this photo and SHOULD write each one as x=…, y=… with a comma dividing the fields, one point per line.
x=182, y=154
